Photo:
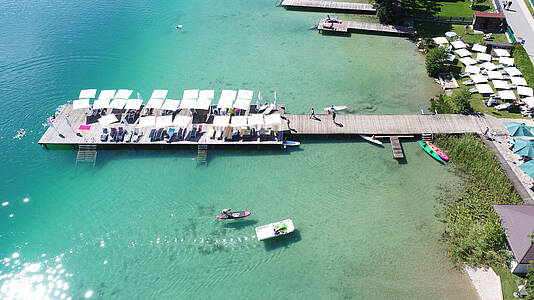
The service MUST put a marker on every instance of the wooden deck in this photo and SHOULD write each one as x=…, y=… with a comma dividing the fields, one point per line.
x=346, y=26
x=385, y=124
x=330, y=5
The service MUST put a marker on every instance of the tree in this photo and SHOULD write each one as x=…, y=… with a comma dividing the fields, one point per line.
x=461, y=100
x=435, y=61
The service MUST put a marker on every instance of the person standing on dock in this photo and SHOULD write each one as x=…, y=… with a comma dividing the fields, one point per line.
x=334, y=116
x=312, y=114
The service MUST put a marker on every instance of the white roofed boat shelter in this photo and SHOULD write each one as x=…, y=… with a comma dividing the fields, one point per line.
x=108, y=119
x=148, y=121
x=90, y=93
x=80, y=104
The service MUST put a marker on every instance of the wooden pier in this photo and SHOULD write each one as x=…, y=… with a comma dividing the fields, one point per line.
x=396, y=146
x=341, y=26
x=331, y=6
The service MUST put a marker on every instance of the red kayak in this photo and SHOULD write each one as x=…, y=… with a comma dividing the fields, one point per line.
x=438, y=151
x=234, y=215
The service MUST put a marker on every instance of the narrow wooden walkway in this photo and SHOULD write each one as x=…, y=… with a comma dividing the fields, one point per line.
x=396, y=147
x=330, y=5
x=346, y=26
x=385, y=124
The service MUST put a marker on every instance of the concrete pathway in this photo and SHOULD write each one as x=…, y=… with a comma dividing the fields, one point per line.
x=486, y=282
x=522, y=23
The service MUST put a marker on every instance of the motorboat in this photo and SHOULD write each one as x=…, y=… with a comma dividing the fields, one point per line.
x=274, y=229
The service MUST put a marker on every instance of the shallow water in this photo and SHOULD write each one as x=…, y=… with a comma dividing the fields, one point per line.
x=141, y=223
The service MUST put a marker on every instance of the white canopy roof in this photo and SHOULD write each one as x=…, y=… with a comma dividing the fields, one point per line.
x=123, y=94
x=164, y=121
x=206, y=94
x=101, y=103
x=519, y=81
x=273, y=119
x=245, y=94
x=529, y=101
x=507, y=95
x=495, y=75
x=440, y=40
x=513, y=71
x=478, y=78
x=154, y=103
x=228, y=94
x=134, y=104
x=106, y=94
x=525, y=91
x=91, y=93
x=239, y=121
x=242, y=103
x=190, y=94
x=483, y=57
x=80, y=104
x=188, y=103
x=148, y=121
x=256, y=119
x=107, y=119
x=501, y=84
x=118, y=103
x=484, y=88
x=478, y=48
x=159, y=94
x=221, y=121
x=203, y=104
x=488, y=66
x=507, y=61
x=170, y=104
x=472, y=69
x=458, y=44
x=468, y=61
x=182, y=121
x=462, y=52
x=501, y=52
x=225, y=103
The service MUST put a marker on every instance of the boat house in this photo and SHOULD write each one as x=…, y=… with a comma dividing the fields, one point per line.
x=489, y=22
x=518, y=224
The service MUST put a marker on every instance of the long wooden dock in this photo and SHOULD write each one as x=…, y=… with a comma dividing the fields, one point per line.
x=330, y=6
x=341, y=26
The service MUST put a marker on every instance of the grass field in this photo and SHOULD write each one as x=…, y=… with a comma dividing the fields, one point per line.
x=463, y=9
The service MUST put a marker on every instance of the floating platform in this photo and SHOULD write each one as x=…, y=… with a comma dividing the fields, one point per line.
x=331, y=6
x=341, y=26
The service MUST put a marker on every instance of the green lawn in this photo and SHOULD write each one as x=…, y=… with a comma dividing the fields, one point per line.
x=507, y=281
x=427, y=30
x=463, y=9
x=524, y=64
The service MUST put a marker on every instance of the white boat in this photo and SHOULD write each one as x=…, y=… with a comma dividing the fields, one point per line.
x=274, y=229
x=370, y=139
x=336, y=108
x=290, y=143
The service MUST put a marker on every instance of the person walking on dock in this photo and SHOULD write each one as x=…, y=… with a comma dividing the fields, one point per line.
x=509, y=4
x=312, y=114
x=334, y=116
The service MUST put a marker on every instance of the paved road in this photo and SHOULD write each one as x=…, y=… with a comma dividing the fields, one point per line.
x=522, y=23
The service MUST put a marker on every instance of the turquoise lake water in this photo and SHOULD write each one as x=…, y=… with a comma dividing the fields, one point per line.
x=140, y=225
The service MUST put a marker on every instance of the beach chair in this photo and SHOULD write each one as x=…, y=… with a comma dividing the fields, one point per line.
x=135, y=135
x=211, y=133
x=468, y=82
x=193, y=132
x=170, y=135
x=104, y=135
x=152, y=135
x=127, y=136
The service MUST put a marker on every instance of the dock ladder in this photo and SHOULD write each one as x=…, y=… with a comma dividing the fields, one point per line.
x=86, y=154
x=202, y=155
x=396, y=147
x=427, y=137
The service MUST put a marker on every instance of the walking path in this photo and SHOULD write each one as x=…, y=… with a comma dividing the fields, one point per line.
x=522, y=23
x=486, y=282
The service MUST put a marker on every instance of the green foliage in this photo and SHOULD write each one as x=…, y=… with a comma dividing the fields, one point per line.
x=473, y=231
x=530, y=281
x=458, y=103
x=435, y=61
x=462, y=102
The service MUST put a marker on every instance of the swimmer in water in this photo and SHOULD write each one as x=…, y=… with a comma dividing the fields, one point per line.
x=179, y=27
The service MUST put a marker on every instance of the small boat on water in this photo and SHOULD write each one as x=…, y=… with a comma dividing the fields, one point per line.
x=438, y=151
x=274, y=229
x=234, y=215
x=430, y=151
x=290, y=144
x=336, y=108
x=371, y=139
